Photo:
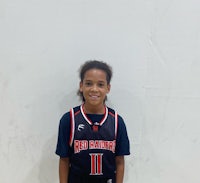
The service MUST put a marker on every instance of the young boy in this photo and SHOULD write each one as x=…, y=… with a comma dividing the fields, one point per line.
x=92, y=138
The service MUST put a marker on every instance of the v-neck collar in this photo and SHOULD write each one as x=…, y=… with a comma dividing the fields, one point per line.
x=88, y=119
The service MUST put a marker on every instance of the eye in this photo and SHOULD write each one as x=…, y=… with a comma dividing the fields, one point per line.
x=88, y=83
x=101, y=85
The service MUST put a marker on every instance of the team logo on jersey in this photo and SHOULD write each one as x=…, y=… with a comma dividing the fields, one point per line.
x=96, y=123
x=109, y=181
x=81, y=145
x=80, y=127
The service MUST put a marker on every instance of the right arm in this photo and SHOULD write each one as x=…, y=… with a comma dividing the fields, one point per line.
x=63, y=148
x=63, y=170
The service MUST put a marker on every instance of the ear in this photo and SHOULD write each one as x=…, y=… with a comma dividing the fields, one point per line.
x=81, y=86
x=108, y=88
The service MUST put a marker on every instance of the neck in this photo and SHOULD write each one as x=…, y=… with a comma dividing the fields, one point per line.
x=94, y=109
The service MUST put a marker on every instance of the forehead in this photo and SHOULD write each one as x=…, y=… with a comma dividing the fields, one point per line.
x=95, y=74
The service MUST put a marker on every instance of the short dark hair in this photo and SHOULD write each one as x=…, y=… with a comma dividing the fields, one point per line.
x=94, y=64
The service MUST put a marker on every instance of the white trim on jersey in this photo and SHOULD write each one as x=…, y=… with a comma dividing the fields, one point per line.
x=72, y=123
x=116, y=124
x=82, y=111
x=105, y=116
x=89, y=121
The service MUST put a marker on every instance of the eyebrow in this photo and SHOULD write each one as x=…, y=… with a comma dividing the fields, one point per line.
x=98, y=81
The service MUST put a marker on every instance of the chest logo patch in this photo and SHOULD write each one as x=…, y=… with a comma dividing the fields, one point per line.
x=80, y=127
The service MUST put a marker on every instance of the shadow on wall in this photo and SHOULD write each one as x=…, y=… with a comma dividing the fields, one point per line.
x=42, y=165
x=49, y=161
x=69, y=100
x=46, y=169
x=48, y=165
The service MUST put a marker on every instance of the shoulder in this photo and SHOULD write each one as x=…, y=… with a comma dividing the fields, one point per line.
x=67, y=114
x=77, y=108
x=120, y=120
x=110, y=110
x=65, y=119
x=113, y=112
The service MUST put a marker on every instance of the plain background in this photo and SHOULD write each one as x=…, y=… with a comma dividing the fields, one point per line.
x=154, y=49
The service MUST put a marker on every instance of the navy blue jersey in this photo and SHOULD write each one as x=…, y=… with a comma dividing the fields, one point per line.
x=92, y=141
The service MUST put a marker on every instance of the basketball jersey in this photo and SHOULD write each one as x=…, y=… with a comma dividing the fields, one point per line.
x=93, y=143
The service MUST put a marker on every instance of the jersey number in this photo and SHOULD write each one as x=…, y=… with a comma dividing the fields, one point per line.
x=96, y=164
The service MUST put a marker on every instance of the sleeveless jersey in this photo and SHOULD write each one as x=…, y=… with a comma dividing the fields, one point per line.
x=93, y=143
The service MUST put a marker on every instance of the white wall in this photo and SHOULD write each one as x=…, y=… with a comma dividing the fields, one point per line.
x=153, y=47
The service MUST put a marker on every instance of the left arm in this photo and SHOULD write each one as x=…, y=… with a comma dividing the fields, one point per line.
x=122, y=149
x=119, y=160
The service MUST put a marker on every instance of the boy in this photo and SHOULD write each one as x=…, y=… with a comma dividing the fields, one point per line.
x=92, y=139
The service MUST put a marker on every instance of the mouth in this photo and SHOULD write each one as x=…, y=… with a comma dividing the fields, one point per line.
x=94, y=97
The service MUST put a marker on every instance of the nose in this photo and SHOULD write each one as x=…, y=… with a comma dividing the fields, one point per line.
x=94, y=87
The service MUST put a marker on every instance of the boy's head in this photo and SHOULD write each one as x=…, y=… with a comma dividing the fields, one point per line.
x=94, y=64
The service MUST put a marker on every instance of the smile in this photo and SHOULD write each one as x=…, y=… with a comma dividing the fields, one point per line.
x=94, y=96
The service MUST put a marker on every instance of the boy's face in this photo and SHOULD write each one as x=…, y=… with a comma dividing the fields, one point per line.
x=94, y=87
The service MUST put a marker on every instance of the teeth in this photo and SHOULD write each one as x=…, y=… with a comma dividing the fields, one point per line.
x=94, y=96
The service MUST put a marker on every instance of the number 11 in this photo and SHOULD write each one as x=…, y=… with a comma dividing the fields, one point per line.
x=96, y=164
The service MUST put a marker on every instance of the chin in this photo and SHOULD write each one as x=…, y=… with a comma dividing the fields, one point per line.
x=95, y=103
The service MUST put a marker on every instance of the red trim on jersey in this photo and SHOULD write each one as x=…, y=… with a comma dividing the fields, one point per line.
x=71, y=138
x=95, y=128
x=115, y=115
x=77, y=112
x=111, y=114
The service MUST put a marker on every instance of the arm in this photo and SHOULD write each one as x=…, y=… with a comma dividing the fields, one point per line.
x=63, y=170
x=119, y=169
